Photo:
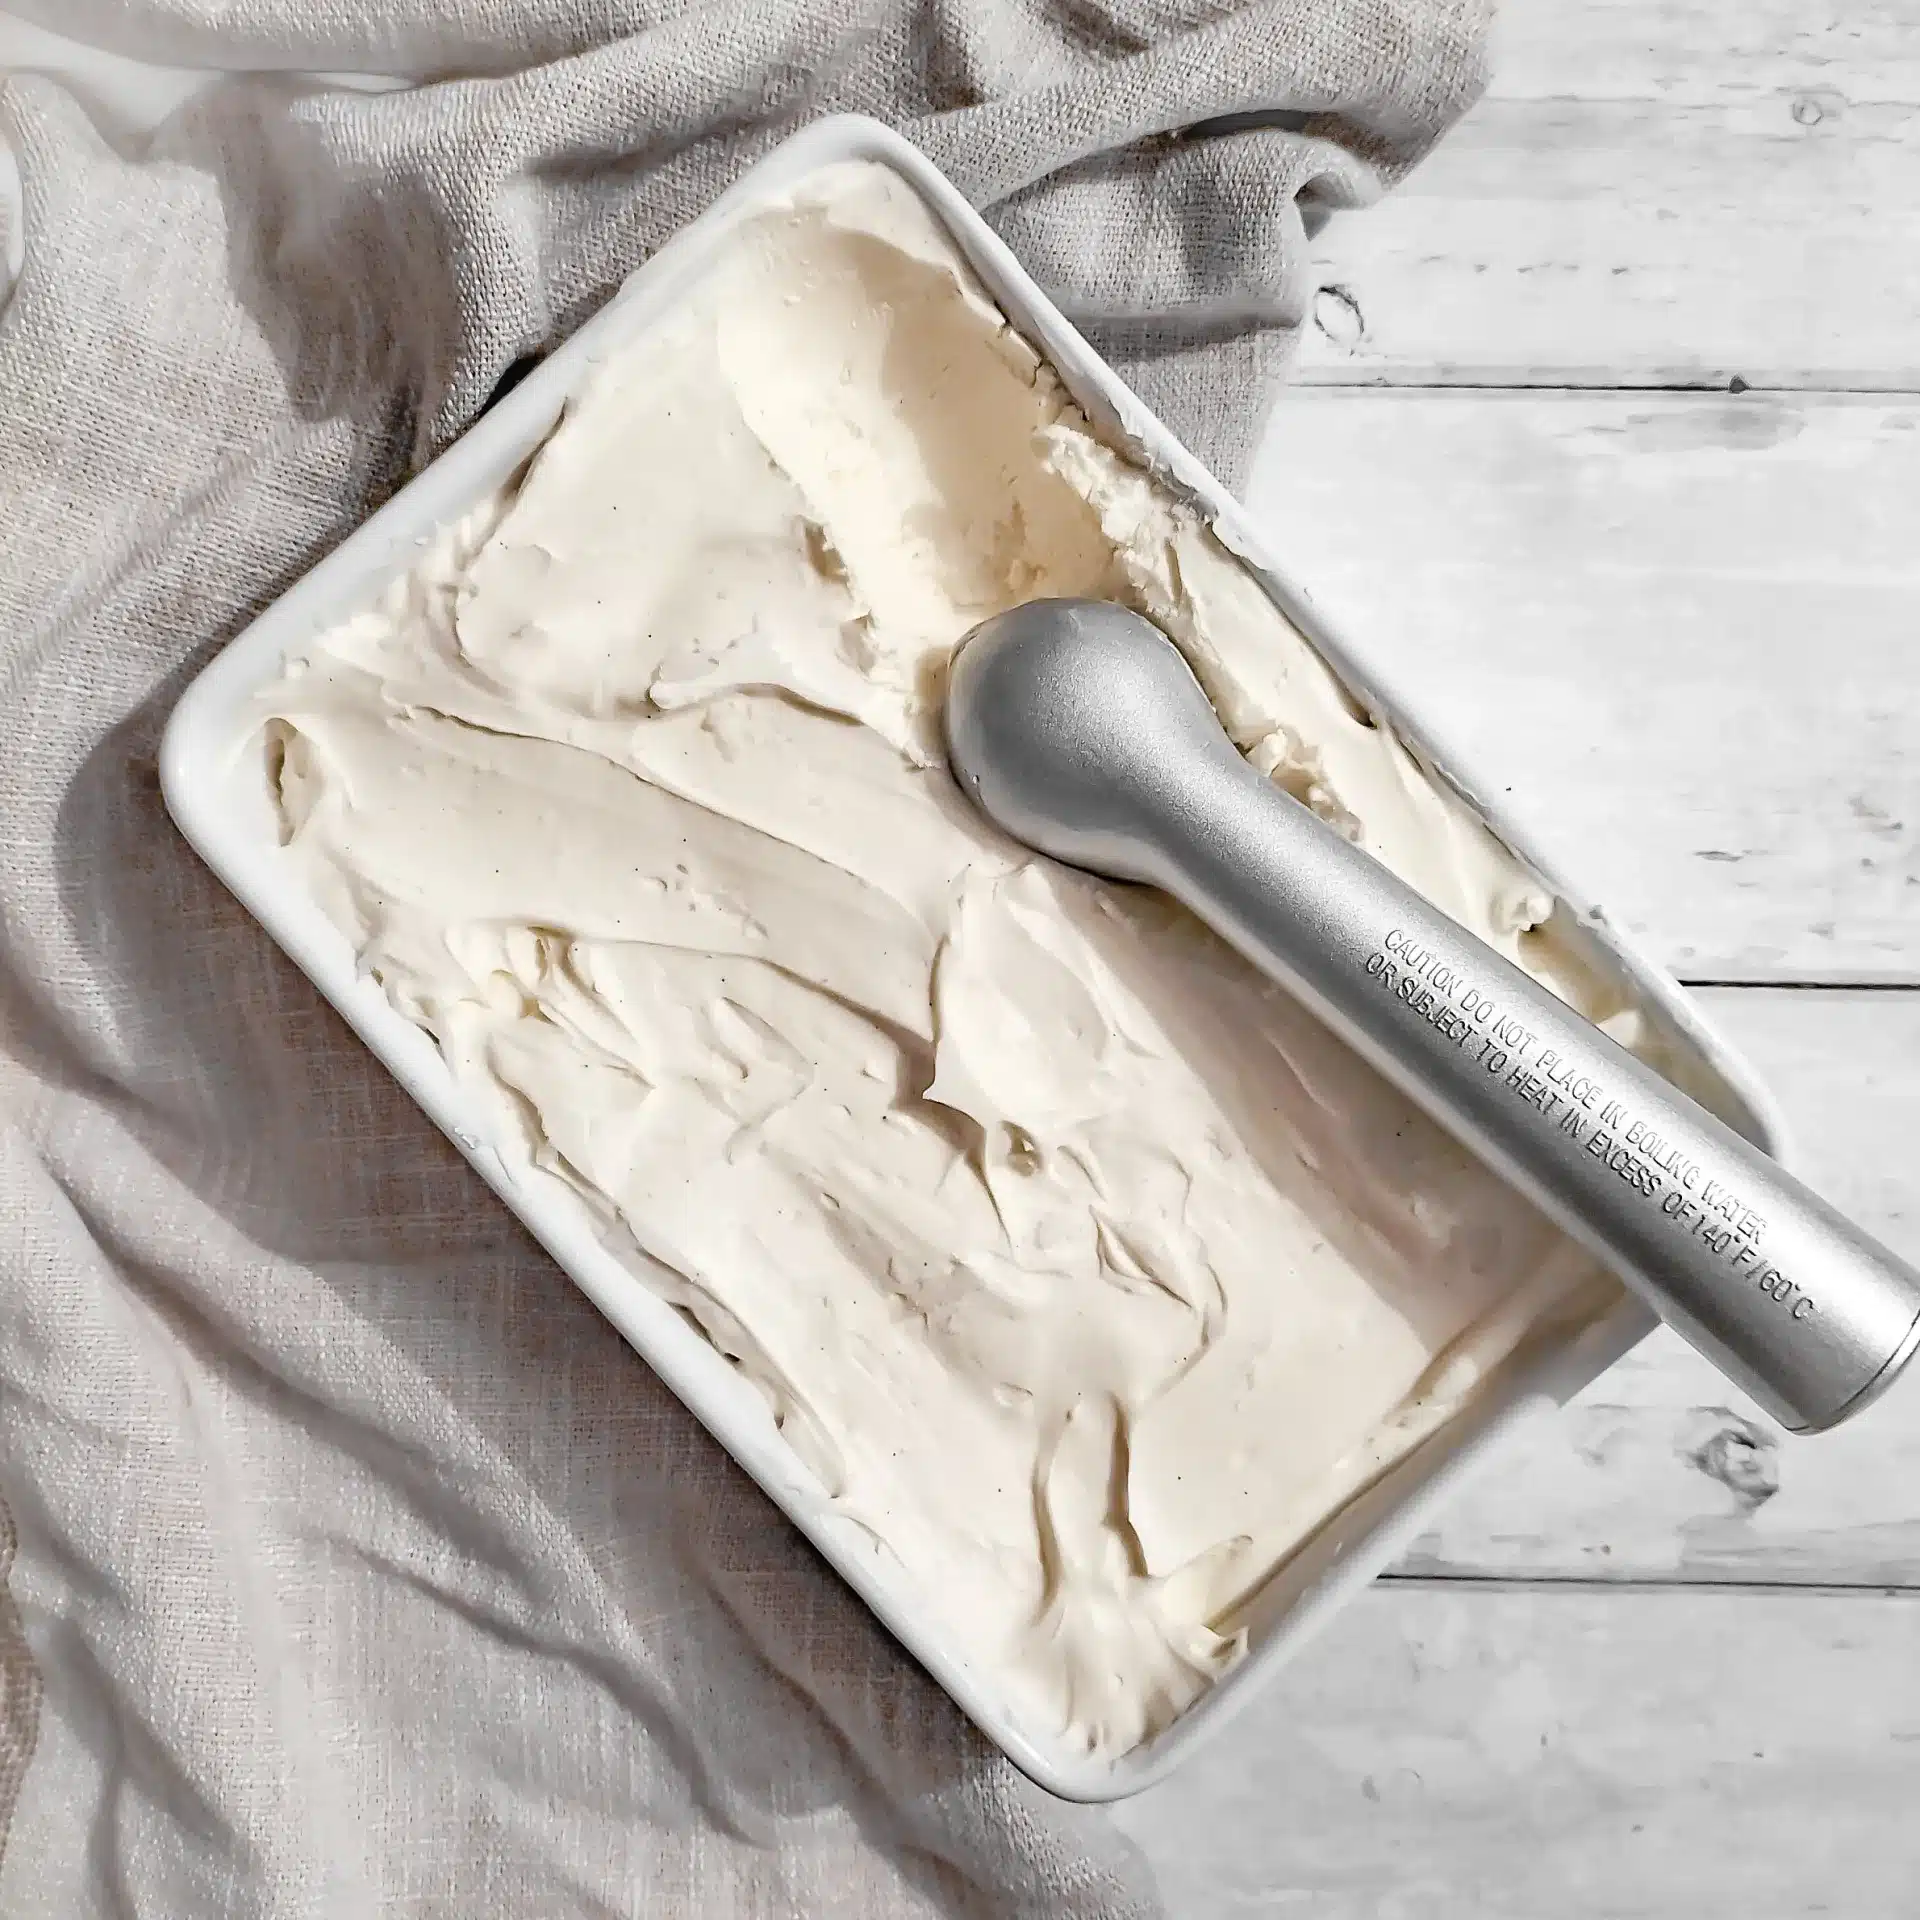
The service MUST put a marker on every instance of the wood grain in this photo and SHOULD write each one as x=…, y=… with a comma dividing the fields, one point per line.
x=1652, y=196
x=1509, y=1755
x=1664, y=1676
x=1662, y=1470
x=1679, y=628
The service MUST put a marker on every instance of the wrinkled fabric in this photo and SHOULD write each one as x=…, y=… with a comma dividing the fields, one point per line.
x=360, y=1568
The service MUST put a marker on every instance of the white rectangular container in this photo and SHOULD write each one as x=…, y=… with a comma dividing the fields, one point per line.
x=220, y=803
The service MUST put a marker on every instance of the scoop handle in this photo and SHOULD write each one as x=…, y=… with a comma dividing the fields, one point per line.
x=1771, y=1284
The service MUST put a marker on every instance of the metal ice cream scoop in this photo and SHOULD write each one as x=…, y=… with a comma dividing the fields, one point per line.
x=1077, y=727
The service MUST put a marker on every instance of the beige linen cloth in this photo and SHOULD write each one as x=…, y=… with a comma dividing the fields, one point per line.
x=357, y=1567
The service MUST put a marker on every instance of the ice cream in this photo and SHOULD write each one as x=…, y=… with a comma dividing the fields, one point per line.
x=1082, y=1268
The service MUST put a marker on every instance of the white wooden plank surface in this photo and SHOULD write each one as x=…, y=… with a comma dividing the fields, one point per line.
x=1662, y=1470
x=1682, y=627
x=1652, y=194
x=1664, y=1677
x=1453, y=1753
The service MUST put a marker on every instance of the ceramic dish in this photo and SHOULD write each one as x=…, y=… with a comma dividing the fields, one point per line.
x=223, y=808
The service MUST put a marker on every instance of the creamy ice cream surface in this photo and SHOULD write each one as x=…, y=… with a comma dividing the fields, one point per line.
x=1085, y=1270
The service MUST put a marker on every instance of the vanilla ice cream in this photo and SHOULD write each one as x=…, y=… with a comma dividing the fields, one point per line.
x=1082, y=1267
